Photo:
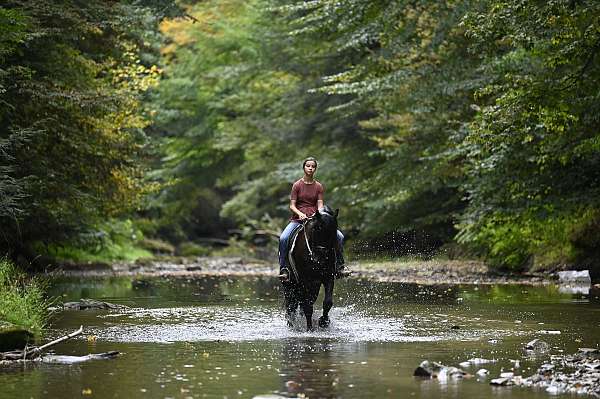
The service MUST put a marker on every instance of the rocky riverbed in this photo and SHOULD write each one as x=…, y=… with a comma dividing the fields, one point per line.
x=421, y=272
x=578, y=373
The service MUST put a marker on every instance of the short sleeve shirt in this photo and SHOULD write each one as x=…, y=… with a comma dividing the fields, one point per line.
x=306, y=196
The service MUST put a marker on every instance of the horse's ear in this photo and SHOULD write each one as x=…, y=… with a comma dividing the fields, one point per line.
x=337, y=211
x=318, y=215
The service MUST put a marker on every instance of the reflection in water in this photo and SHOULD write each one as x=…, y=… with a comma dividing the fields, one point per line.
x=310, y=367
x=226, y=337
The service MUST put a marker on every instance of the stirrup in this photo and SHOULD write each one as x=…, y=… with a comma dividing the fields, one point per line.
x=342, y=272
x=284, y=275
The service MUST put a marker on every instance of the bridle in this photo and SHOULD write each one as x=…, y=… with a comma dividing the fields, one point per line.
x=319, y=248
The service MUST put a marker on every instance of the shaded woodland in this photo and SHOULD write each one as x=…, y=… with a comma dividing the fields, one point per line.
x=464, y=127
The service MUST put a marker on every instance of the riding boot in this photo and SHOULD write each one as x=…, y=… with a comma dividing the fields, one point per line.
x=340, y=265
x=284, y=274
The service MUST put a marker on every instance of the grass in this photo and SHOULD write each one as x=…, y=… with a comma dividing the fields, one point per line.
x=125, y=251
x=22, y=299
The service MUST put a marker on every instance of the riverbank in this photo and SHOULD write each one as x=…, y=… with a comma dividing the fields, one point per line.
x=420, y=272
x=22, y=307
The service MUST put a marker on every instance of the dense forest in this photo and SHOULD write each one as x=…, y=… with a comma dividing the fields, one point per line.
x=465, y=128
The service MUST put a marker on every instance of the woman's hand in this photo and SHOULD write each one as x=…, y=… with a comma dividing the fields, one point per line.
x=302, y=215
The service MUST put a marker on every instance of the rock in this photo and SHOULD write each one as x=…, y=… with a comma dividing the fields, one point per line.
x=592, y=366
x=482, y=372
x=13, y=337
x=428, y=369
x=269, y=396
x=507, y=375
x=501, y=381
x=91, y=304
x=545, y=368
x=589, y=351
x=537, y=345
x=575, y=277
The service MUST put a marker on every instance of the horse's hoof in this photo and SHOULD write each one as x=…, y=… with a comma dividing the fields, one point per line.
x=323, y=322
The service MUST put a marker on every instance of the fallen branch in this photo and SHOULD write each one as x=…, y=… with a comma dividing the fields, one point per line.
x=40, y=349
x=35, y=352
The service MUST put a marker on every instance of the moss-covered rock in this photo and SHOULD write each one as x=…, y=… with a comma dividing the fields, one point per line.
x=13, y=337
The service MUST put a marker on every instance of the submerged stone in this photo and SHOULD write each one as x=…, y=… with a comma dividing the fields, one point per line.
x=502, y=381
x=91, y=304
x=537, y=345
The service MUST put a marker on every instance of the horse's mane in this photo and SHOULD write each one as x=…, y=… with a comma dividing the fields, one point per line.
x=327, y=209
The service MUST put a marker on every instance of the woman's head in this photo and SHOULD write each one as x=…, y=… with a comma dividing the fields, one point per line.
x=310, y=159
x=309, y=165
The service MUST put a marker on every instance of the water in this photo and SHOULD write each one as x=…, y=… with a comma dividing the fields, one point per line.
x=227, y=338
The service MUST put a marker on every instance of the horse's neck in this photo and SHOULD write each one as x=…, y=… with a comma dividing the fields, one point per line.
x=313, y=239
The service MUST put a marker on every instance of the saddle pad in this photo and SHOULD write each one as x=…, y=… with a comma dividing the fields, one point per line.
x=290, y=248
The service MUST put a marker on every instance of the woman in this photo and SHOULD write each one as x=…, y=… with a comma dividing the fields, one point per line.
x=306, y=199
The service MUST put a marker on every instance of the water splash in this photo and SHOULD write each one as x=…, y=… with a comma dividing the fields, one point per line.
x=252, y=323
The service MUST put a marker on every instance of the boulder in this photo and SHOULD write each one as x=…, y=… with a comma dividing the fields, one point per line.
x=574, y=277
x=13, y=337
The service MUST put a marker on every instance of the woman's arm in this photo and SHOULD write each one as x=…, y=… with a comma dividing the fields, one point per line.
x=320, y=199
x=293, y=208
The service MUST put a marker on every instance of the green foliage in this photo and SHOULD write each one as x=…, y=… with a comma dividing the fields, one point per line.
x=431, y=117
x=22, y=299
x=72, y=145
x=193, y=249
x=117, y=240
x=533, y=154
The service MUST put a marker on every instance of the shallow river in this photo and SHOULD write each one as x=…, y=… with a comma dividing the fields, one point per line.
x=221, y=337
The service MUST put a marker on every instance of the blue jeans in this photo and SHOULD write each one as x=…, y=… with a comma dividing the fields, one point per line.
x=284, y=239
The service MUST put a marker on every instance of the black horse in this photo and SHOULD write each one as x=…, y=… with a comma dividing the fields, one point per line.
x=312, y=264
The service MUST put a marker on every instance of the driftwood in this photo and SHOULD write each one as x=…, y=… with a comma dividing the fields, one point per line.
x=62, y=359
x=29, y=354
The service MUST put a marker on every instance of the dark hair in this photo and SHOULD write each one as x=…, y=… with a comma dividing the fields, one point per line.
x=309, y=159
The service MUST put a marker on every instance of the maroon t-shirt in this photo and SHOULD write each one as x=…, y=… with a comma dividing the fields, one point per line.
x=306, y=196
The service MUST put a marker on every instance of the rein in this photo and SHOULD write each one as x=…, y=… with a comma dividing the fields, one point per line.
x=312, y=258
x=310, y=251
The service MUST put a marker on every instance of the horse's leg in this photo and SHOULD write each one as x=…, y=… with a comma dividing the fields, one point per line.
x=291, y=303
x=327, y=303
x=307, y=308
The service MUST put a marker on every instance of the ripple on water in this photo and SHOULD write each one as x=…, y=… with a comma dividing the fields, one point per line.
x=233, y=324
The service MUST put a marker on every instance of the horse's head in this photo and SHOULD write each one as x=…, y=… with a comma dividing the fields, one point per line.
x=322, y=230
